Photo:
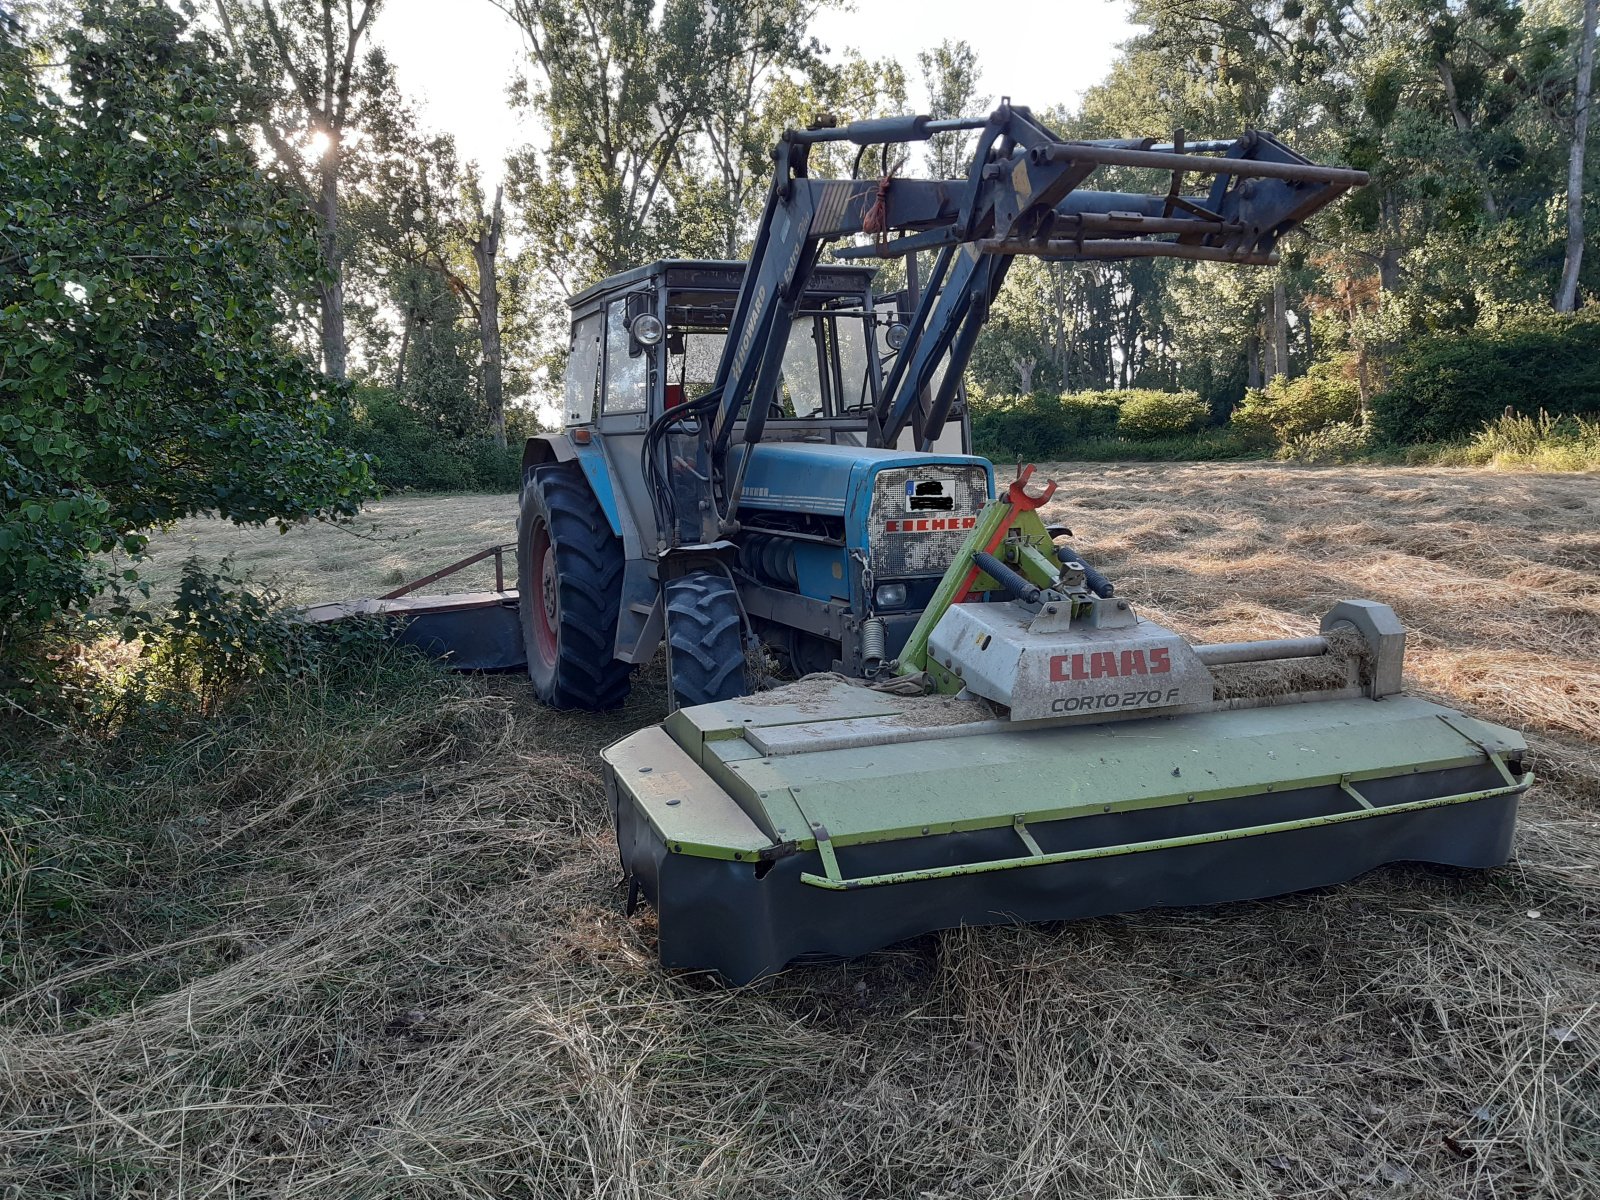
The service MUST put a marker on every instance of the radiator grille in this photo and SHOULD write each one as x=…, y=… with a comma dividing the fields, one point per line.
x=913, y=531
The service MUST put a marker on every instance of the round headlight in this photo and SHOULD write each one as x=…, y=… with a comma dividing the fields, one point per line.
x=896, y=335
x=647, y=329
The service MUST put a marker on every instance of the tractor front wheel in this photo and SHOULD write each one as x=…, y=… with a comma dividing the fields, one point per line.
x=569, y=580
x=705, y=639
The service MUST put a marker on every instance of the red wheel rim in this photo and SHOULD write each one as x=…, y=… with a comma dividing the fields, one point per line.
x=546, y=598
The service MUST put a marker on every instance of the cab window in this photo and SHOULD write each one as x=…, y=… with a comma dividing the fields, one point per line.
x=627, y=375
x=800, y=385
x=583, y=370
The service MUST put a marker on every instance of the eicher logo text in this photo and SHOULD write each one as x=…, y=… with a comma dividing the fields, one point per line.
x=928, y=524
x=1110, y=664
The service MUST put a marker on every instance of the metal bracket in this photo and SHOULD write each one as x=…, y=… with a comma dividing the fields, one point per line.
x=1020, y=827
x=830, y=862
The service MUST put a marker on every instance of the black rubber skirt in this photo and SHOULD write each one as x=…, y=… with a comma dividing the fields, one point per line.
x=745, y=920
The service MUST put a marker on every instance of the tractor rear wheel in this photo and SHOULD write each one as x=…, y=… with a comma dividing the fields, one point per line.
x=705, y=639
x=569, y=578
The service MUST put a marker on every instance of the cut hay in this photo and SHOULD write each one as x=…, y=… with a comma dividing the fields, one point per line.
x=389, y=961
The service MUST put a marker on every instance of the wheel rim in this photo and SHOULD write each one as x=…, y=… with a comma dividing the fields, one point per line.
x=546, y=598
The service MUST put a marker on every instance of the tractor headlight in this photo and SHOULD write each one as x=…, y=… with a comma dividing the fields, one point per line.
x=896, y=335
x=890, y=595
x=646, y=329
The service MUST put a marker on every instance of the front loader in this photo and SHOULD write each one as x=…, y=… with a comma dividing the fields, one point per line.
x=769, y=453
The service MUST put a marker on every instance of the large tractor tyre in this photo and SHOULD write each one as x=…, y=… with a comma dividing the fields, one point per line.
x=569, y=577
x=705, y=639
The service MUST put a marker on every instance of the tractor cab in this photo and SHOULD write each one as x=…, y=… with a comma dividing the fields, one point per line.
x=652, y=339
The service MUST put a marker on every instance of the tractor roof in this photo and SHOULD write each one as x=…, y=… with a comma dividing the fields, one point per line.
x=716, y=275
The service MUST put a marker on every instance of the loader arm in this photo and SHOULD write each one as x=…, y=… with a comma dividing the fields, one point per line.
x=1021, y=196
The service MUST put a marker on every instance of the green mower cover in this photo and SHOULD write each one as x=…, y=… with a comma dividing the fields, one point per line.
x=845, y=819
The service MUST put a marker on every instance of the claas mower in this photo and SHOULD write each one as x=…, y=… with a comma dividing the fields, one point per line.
x=770, y=460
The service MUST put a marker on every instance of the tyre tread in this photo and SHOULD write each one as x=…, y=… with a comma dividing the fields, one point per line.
x=589, y=568
x=705, y=637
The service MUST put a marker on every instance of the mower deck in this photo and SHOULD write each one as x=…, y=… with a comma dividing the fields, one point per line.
x=849, y=819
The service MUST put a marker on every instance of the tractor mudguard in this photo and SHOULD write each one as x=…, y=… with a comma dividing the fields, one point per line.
x=560, y=448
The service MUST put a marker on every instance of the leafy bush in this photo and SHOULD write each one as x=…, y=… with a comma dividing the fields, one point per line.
x=1451, y=385
x=1134, y=425
x=409, y=450
x=1148, y=415
x=1289, y=409
x=1335, y=442
x=1041, y=427
x=1556, y=443
x=142, y=375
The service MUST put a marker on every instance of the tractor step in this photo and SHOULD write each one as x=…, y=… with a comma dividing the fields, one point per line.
x=756, y=850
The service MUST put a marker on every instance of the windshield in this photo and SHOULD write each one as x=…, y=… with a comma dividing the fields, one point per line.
x=800, y=385
x=825, y=369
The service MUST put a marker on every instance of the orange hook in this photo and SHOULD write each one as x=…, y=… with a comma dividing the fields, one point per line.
x=1017, y=493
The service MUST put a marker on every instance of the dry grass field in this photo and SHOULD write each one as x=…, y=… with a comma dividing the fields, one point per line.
x=398, y=966
x=393, y=541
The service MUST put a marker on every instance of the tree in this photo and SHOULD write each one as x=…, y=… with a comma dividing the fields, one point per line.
x=620, y=88
x=653, y=149
x=306, y=54
x=414, y=207
x=143, y=262
x=1567, y=295
x=950, y=75
x=764, y=44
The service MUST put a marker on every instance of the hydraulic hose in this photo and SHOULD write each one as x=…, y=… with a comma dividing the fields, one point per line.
x=1009, y=580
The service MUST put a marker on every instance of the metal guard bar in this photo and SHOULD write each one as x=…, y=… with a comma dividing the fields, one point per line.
x=1298, y=172
x=496, y=552
x=833, y=881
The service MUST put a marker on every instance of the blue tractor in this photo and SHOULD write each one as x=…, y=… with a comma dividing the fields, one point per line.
x=772, y=452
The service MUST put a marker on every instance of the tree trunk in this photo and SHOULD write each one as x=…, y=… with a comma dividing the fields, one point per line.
x=1252, y=359
x=1567, y=295
x=485, y=253
x=1464, y=128
x=332, y=288
x=1389, y=274
x=1389, y=278
x=1269, y=362
x=405, y=348
x=1280, y=329
x=1024, y=368
x=1363, y=380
